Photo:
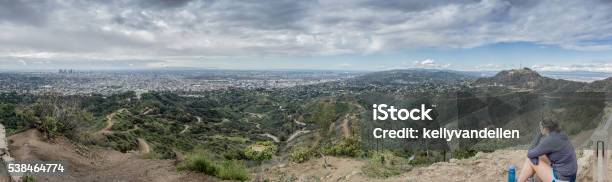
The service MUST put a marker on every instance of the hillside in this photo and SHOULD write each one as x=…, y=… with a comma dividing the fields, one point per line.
x=529, y=79
x=416, y=76
x=600, y=85
x=483, y=167
x=303, y=123
x=95, y=163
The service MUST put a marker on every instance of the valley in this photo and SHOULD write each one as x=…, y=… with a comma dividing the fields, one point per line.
x=275, y=133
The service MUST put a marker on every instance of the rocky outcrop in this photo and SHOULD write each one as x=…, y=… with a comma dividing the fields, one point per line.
x=4, y=153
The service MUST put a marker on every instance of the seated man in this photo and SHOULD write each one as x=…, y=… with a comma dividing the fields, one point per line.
x=551, y=157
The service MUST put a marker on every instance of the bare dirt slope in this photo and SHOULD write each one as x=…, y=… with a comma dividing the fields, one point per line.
x=483, y=167
x=313, y=170
x=95, y=164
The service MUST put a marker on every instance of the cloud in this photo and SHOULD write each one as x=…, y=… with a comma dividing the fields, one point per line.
x=162, y=3
x=25, y=12
x=345, y=65
x=427, y=63
x=10, y=63
x=491, y=66
x=22, y=62
x=190, y=30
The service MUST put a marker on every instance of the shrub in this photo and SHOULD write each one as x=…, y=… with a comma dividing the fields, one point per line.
x=199, y=162
x=463, y=153
x=385, y=164
x=427, y=157
x=16, y=119
x=346, y=147
x=260, y=151
x=122, y=141
x=301, y=154
x=49, y=126
x=28, y=179
x=233, y=170
x=233, y=154
x=379, y=171
x=57, y=117
x=420, y=160
x=493, y=144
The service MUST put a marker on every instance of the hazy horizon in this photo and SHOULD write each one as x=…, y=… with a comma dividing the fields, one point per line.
x=582, y=76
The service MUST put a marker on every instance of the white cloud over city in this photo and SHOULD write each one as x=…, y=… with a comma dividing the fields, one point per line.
x=191, y=32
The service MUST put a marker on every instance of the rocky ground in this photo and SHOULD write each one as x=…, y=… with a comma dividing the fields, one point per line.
x=483, y=167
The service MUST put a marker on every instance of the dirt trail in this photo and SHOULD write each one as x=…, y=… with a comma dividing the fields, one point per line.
x=109, y=122
x=296, y=134
x=185, y=129
x=271, y=137
x=133, y=129
x=257, y=125
x=346, y=132
x=299, y=123
x=94, y=163
x=143, y=146
x=147, y=111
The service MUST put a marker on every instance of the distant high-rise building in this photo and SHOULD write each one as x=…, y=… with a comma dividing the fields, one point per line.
x=66, y=71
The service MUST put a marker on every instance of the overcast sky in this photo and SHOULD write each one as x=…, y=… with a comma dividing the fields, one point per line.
x=306, y=34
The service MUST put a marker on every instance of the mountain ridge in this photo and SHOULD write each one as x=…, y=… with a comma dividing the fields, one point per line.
x=523, y=79
x=529, y=79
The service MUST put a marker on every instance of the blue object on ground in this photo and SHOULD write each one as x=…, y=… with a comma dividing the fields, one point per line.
x=512, y=173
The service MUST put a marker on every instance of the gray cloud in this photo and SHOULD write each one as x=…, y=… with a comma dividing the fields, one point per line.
x=13, y=63
x=408, y=6
x=187, y=30
x=25, y=11
x=163, y=3
x=282, y=14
